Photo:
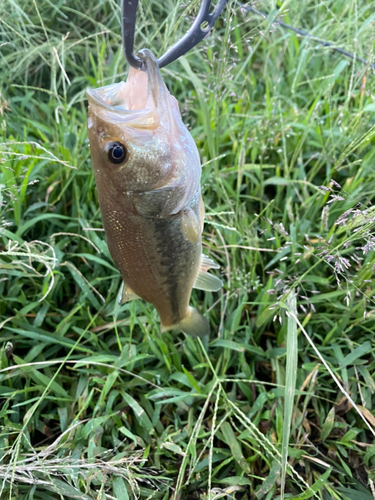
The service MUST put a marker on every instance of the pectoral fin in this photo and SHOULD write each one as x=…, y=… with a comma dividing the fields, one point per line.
x=190, y=226
x=126, y=295
x=202, y=212
x=205, y=281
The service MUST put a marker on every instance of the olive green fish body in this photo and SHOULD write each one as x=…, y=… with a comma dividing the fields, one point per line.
x=147, y=171
x=157, y=262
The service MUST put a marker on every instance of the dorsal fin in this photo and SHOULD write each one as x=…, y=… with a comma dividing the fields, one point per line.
x=205, y=281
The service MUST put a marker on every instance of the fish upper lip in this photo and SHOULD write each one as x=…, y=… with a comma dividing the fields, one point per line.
x=94, y=97
x=141, y=102
x=146, y=118
x=90, y=94
x=139, y=92
x=118, y=110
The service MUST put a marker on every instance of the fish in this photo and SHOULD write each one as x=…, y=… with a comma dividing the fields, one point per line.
x=147, y=173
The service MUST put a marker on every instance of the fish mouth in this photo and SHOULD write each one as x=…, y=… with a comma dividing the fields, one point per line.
x=122, y=97
x=134, y=102
x=140, y=91
x=111, y=97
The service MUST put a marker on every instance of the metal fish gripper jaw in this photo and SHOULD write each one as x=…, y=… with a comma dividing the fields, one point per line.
x=200, y=28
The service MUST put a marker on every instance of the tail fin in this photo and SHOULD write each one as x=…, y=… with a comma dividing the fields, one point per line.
x=194, y=324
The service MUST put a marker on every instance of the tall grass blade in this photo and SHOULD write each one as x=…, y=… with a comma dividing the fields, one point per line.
x=290, y=383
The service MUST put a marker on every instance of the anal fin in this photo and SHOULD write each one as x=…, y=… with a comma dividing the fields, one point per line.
x=126, y=295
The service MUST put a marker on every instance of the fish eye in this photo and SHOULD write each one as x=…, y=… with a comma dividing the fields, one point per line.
x=116, y=152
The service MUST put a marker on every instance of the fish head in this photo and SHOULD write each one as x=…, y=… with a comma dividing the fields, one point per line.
x=137, y=139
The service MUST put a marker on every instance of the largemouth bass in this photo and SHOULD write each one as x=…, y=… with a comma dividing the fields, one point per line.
x=147, y=172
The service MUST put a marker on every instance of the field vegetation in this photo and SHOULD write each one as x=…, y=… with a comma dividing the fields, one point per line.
x=279, y=402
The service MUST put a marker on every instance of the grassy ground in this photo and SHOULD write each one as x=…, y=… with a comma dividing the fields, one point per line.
x=280, y=401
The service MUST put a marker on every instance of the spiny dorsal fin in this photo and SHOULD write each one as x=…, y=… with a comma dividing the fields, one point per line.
x=205, y=281
x=207, y=263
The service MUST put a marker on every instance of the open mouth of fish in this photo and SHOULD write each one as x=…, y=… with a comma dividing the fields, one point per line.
x=134, y=103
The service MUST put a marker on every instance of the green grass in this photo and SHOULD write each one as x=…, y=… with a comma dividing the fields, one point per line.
x=95, y=402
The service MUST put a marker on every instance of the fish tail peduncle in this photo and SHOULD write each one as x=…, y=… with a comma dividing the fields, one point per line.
x=194, y=324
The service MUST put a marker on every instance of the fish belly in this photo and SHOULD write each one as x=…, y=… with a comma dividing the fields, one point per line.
x=157, y=257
